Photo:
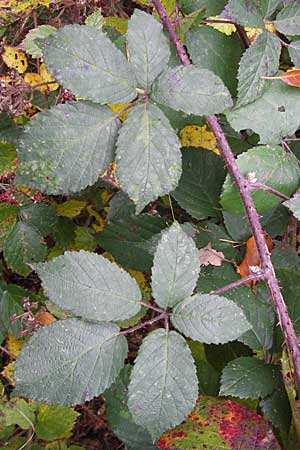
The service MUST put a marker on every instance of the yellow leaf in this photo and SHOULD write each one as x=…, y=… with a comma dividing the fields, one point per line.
x=225, y=28
x=118, y=107
x=48, y=78
x=14, y=345
x=15, y=58
x=101, y=220
x=196, y=136
x=34, y=79
x=19, y=6
x=252, y=33
x=270, y=27
x=119, y=23
x=70, y=208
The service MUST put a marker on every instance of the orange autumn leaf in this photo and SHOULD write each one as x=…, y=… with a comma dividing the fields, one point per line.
x=290, y=77
x=45, y=318
x=251, y=260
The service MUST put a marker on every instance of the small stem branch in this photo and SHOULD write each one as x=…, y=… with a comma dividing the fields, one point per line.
x=242, y=34
x=268, y=189
x=253, y=217
x=154, y=308
x=237, y=283
x=161, y=316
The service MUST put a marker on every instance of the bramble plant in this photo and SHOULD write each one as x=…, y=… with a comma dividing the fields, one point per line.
x=127, y=108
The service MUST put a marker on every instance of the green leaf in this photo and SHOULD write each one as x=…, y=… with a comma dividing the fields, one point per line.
x=212, y=50
x=245, y=12
x=257, y=308
x=152, y=167
x=23, y=246
x=260, y=59
x=40, y=216
x=200, y=185
x=208, y=376
x=148, y=47
x=95, y=19
x=247, y=377
x=294, y=205
x=228, y=425
x=10, y=305
x=163, y=387
x=273, y=116
x=8, y=218
x=66, y=148
x=90, y=286
x=274, y=221
x=54, y=422
x=129, y=237
x=73, y=361
x=18, y=412
x=289, y=280
x=192, y=90
x=8, y=156
x=134, y=436
x=85, y=61
x=268, y=7
x=32, y=42
x=288, y=19
x=210, y=319
x=176, y=267
x=294, y=51
x=271, y=166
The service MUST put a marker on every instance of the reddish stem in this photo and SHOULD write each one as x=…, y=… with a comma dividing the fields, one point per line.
x=253, y=217
x=237, y=283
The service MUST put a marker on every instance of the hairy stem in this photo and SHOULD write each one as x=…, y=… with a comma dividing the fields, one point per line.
x=252, y=215
x=263, y=187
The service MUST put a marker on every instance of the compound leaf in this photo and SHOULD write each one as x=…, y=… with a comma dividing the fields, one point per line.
x=192, y=90
x=176, y=267
x=211, y=319
x=66, y=149
x=247, y=377
x=152, y=167
x=271, y=166
x=85, y=61
x=148, y=47
x=163, y=387
x=260, y=59
x=70, y=362
x=90, y=286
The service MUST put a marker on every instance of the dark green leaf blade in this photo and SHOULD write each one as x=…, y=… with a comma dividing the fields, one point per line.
x=200, y=185
x=163, y=387
x=260, y=59
x=24, y=246
x=294, y=205
x=66, y=148
x=271, y=166
x=90, y=286
x=211, y=319
x=176, y=267
x=192, y=90
x=247, y=377
x=148, y=47
x=210, y=49
x=245, y=12
x=152, y=167
x=73, y=361
x=85, y=61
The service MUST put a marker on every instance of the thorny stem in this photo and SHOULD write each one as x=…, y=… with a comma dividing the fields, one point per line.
x=237, y=283
x=252, y=215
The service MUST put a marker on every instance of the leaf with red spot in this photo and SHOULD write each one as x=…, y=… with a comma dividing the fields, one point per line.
x=220, y=424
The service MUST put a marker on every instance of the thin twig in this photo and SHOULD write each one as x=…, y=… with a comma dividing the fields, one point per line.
x=252, y=215
x=263, y=187
x=161, y=316
x=154, y=308
x=3, y=349
x=237, y=283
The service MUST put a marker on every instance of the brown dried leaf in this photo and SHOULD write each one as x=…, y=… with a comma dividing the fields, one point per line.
x=208, y=255
x=290, y=77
